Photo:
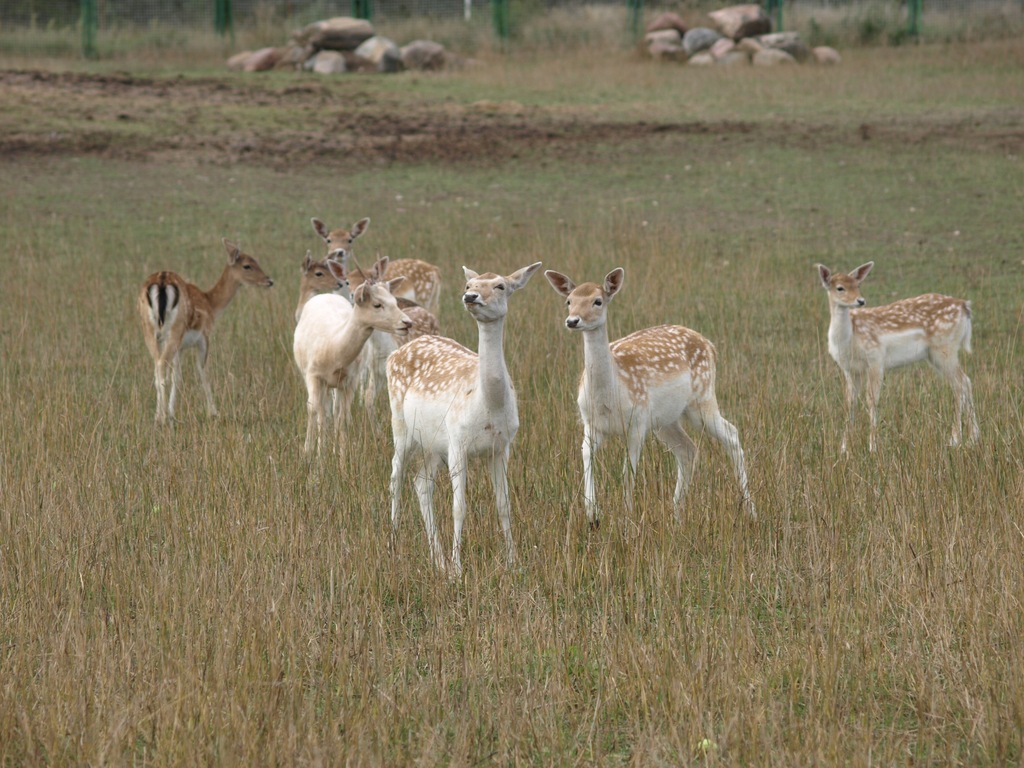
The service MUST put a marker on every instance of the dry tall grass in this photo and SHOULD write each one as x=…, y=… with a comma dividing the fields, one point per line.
x=207, y=596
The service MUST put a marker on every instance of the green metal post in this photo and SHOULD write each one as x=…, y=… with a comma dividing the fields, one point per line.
x=636, y=15
x=775, y=14
x=362, y=9
x=501, y=20
x=914, y=17
x=90, y=22
x=222, y=20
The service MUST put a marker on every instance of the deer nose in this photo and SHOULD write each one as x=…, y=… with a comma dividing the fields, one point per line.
x=470, y=298
x=860, y=301
x=572, y=322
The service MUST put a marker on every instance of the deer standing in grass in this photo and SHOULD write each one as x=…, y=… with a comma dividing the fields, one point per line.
x=316, y=278
x=449, y=404
x=177, y=314
x=868, y=341
x=329, y=336
x=422, y=286
x=646, y=382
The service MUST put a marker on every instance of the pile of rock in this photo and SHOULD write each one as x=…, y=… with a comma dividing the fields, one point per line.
x=739, y=34
x=343, y=44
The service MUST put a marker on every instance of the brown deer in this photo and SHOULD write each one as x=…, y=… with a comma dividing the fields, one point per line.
x=177, y=314
x=316, y=278
x=868, y=341
x=422, y=280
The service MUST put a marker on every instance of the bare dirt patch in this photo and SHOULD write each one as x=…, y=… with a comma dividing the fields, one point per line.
x=228, y=121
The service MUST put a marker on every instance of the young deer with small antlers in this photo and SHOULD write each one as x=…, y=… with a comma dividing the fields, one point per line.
x=646, y=382
x=177, y=314
x=868, y=341
x=316, y=278
x=328, y=339
x=450, y=404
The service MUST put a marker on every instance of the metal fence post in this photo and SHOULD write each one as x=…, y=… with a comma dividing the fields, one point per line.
x=362, y=9
x=222, y=21
x=774, y=10
x=636, y=15
x=501, y=20
x=89, y=23
x=914, y=17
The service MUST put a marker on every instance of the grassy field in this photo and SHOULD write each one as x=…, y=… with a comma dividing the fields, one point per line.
x=208, y=596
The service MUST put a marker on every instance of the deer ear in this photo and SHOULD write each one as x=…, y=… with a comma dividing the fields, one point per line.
x=561, y=283
x=862, y=271
x=360, y=227
x=337, y=269
x=361, y=293
x=825, y=274
x=232, y=249
x=320, y=228
x=521, y=277
x=393, y=284
x=308, y=261
x=469, y=273
x=379, y=268
x=613, y=281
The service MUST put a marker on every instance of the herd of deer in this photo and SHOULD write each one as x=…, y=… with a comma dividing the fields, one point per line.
x=449, y=404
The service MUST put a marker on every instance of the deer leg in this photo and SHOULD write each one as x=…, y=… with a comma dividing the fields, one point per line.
x=425, y=491
x=201, y=356
x=729, y=438
x=160, y=381
x=397, y=473
x=634, y=444
x=175, y=382
x=852, y=390
x=676, y=440
x=315, y=415
x=343, y=407
x=457, y=468
x=591, y=442
x=499, y=480
x=873, y=392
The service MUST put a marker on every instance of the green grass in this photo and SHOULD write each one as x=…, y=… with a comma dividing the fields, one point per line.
x=207, y=595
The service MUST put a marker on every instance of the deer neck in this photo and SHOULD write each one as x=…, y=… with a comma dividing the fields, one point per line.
x=305, y=294
x=351, y=338
x=840, y=332
x=223, y=292
x=598, y=365
x=495, y=385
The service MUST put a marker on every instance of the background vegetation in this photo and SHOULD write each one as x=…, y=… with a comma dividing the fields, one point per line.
x=206, y=595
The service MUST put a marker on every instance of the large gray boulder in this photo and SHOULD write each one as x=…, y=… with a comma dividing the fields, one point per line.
x=699, y=39
x=423, y=54
x=789, y=42
x=825, y=55
x=341, y=33
x=739, y=21
x=382, y=53
x=772, y=57
x=326, y=63
x=668, y=20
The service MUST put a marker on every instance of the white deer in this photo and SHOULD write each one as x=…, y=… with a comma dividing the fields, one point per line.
x=422, y=286
x=329, y=336
x=177, y=314
x=868, y=341
x=646, y=382
x=450, y=404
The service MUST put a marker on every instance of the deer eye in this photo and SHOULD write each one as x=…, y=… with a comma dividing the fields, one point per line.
x=377, y=306
x=840, y=288
x=247, y=266
x=501, y=287
x=598, y=302
x=319, y=274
